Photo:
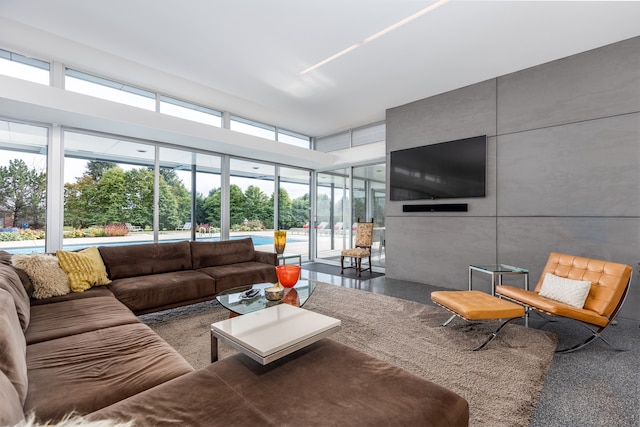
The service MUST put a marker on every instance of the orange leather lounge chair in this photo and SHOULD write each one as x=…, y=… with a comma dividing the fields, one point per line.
x=609, y=287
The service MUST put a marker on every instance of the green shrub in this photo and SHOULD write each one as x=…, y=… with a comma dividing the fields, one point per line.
x=27, y=234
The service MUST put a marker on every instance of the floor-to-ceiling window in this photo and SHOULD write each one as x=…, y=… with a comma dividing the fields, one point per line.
x=195, y=183
x=294, y=209
x=109, y=190
x=332, y=213
x=343, y=197
x=23, y=174
x=251, y=201
x=369, y=196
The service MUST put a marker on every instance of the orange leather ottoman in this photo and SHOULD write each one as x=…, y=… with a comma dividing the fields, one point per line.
x=476, y=305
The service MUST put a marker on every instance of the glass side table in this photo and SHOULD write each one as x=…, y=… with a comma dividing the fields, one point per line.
x=285, y=256
x=497, y=271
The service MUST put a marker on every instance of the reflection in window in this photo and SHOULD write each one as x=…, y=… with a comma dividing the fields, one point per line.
x=77, y=81
x=185, y=110
x=23, y=187
x=23, y=67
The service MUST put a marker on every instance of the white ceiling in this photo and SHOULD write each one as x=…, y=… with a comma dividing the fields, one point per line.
x=251, y=52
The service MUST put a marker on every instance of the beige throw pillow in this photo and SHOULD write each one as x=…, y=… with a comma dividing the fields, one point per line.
x=47, y=276
x=568, y=291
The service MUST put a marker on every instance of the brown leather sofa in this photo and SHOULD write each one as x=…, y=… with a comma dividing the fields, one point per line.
x=88, y=352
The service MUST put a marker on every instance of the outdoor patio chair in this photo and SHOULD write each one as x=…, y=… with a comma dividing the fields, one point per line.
x=606, y=287
x=185, y=227
x=361, y=249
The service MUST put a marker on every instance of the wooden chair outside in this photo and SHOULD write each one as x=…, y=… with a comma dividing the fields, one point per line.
x=361, y=249
x=609, y=286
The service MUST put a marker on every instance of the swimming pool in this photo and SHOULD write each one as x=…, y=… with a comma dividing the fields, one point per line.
x=257, y=241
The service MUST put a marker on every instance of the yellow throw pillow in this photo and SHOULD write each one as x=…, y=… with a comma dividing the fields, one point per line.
x=96, y=259
x=79, y=268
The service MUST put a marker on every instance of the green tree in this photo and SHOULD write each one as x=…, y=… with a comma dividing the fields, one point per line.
x=107, y=198
x=137, y=206
x=236, y=209
x=286, y=218
x=211, y=208
x=23, y=193
x=300, y=211
x=180, y=193
x=258, y=207
x=95, y=169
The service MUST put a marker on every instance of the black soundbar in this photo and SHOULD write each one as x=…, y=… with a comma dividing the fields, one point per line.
x=442, y=207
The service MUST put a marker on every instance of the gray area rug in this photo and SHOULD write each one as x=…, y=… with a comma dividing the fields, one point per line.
x=501, y=383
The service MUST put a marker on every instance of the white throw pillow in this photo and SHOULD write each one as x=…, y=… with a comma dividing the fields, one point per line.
x=568, y=291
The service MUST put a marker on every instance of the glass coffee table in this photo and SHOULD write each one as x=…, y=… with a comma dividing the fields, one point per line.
x=296, y=296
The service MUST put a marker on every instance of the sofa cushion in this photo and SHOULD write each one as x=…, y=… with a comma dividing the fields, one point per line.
x=76, y=316
x=241, y=274
x=199, y=398
x=48, y=278
x=12, y=346
x=142, y=293
x=11, y=407
x=5, y=258
x=89, y=371
x=10, y=282
x=142, y=260
x=326, y=383
x=210, y=254
x=99, y=291
x=359, y=389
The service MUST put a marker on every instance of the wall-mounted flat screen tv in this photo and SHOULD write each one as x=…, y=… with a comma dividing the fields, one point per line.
x=448, y=170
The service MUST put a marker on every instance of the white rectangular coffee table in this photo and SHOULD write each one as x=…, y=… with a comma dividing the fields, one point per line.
x=269, y=334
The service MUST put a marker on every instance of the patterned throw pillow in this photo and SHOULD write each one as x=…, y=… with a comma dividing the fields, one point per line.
x=568, y=291
x=98, y=264
x=46, y=275
x=79, y=268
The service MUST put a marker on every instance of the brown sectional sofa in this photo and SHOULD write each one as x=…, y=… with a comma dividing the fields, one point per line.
x=88, y=352
x=153, y=277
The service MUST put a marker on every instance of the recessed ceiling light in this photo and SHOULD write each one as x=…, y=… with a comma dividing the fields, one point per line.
x=141, y=151
x=255, y=167
x=376, y=35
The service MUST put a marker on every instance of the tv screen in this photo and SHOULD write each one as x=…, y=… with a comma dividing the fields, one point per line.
x=454, y=169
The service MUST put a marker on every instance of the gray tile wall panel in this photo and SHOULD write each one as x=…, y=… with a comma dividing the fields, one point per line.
x=527, y=242
x=583, y=169
x=598, y=83
x=438, y=250
x=462, y=113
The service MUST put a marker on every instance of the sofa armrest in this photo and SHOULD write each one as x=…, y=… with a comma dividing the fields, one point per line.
x=267, y=258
